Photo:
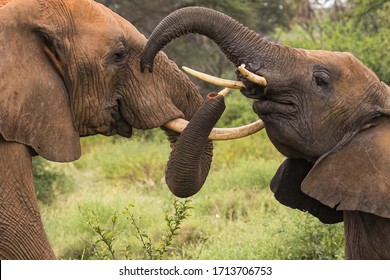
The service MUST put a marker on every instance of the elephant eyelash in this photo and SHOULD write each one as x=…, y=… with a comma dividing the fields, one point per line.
x=118, y=56
x=321, y=79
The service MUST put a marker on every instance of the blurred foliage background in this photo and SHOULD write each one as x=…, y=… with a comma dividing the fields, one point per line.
x=357, y=26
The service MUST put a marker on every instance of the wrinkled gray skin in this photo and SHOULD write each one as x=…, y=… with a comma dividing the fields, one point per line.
x=325, y=111
x=69, y=69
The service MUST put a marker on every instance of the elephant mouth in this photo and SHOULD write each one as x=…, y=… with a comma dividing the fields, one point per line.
x=252, y=90
x=124, y=130
x=270, y=110
x=266, y=102
x=270, y=106
x=120, y=125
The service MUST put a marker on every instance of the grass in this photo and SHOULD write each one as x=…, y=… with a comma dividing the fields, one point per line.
x=234, y=216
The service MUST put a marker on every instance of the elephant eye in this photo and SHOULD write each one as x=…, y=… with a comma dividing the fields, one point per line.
x=118, y=55
x=321, y=79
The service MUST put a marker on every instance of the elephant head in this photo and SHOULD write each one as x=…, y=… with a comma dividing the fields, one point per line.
x=70, y=69
x=325, y=111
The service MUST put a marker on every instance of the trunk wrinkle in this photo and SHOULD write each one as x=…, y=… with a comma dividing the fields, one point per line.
x=237, y=42
x=190, y=159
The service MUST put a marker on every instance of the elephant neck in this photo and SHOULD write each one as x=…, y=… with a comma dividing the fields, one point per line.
x=21, y=228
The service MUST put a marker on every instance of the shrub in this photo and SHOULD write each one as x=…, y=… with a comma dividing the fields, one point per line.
x=362, y=30
x=49, y=181
x=105, y=235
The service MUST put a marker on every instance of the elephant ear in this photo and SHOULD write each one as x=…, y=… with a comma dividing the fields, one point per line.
x=357, y=176
x=34, y=103
x=286, y=186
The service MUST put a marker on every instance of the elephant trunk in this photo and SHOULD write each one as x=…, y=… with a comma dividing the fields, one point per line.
x=191, y=156
x=240, y=44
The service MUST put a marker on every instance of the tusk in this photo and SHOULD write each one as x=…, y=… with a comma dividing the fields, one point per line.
x=214, y=80
x=224, y=92
x=179, y=125
x=256, y=79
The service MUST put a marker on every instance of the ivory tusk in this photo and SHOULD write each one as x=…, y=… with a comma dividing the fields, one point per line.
x=224, y=92
x=214, y=80
x=179, y=125
x=256, y=79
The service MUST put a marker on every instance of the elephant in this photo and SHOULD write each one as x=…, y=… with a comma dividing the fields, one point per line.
x=325, y=111
x=70, y=68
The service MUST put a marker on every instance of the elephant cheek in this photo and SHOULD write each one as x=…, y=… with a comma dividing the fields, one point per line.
x=147, y=114
x=283, y=139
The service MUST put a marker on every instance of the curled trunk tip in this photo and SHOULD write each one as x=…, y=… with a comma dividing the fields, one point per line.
x=191, y=156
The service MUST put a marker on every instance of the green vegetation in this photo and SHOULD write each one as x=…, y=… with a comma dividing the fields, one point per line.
x=103, y=246
x=49, y=181
x=361, y=27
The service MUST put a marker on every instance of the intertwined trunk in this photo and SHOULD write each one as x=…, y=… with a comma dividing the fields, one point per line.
x=191, y=156
x=187, y=169
x=240, y=44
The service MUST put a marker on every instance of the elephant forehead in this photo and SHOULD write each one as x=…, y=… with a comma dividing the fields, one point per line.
x=93, y=17
x=94, y=29
x=350, y=77
x=79, y=18
x=345, y=63
x=343, y=59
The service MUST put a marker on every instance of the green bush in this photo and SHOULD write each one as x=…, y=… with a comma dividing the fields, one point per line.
x=105, y=234
x=311, y=240
x=362, y=30
x=49, y=181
